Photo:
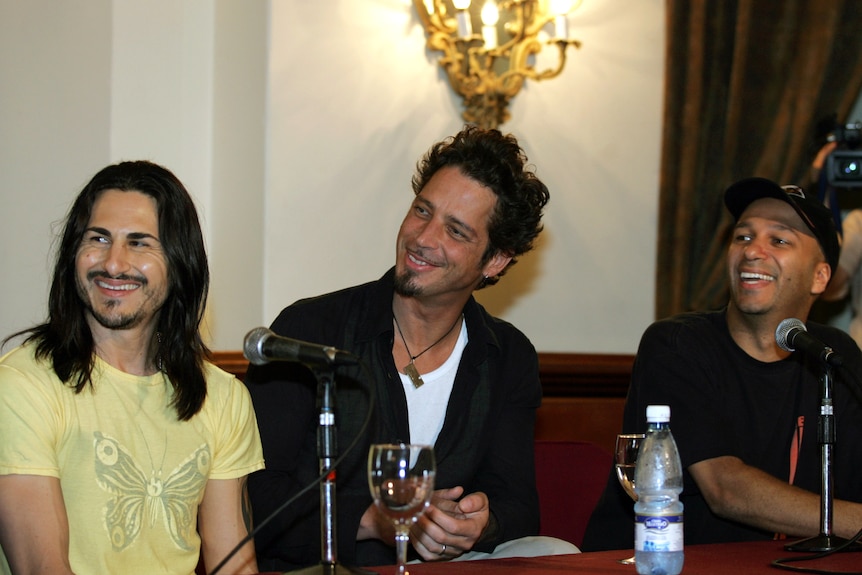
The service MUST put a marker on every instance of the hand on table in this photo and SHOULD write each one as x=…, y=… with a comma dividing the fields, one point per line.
x=450, y=527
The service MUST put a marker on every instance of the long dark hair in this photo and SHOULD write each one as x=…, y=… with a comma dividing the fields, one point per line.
x=497, y=162
x=65, y=337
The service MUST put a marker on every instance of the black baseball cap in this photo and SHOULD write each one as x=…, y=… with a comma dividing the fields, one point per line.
x=816, y=216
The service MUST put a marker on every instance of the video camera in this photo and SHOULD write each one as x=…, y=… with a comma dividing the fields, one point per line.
x=844, y=164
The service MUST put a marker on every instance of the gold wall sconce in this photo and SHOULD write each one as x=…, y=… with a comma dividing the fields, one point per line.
x=488, y=67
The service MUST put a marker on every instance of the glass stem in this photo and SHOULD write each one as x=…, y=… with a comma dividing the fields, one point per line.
x=402, y=539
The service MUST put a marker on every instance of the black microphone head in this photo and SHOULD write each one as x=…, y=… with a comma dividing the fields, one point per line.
x=252, y=347
x=783, y=330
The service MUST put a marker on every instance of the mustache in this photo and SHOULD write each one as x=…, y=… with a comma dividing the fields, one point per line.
x=122, y=277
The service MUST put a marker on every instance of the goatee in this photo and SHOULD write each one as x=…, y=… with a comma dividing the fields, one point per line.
x=105, y=317
x=404, y=285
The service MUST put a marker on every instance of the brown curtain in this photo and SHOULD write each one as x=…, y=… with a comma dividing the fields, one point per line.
x=746, y=82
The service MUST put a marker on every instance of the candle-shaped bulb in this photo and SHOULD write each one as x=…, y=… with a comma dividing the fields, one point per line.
x=462, y=16
x=490, y=13
x=561, y=6
x=490, y=16
x=561, y=24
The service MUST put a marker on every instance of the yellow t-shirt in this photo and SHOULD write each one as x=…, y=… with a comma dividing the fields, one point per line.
x=132, y=474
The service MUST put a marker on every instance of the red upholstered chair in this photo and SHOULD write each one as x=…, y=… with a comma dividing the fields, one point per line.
x=570, y=478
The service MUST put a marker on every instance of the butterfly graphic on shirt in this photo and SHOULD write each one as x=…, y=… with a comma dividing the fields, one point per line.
x=137, y=498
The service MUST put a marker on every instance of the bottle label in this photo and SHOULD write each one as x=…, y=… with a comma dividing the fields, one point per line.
x=658, y=533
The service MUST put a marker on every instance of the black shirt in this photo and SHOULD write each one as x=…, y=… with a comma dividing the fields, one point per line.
x=486, y=443
x=726, y=403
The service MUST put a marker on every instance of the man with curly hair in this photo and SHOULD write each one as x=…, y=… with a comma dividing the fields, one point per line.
x=446, y=373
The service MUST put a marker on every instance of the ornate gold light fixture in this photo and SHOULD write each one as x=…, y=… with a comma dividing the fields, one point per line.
x=488, y=68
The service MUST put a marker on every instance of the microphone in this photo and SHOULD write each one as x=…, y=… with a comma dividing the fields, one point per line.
x=263, y=345
x=791, y=334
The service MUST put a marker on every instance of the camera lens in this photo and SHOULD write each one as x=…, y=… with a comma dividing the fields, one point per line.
x=844, y=168
x=849, y=167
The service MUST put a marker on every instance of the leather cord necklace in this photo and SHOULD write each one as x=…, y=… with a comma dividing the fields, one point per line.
x=410, y=368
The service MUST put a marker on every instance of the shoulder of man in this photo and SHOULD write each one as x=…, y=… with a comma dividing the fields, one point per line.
x=305, y=317
x=499, y=331
x=837, y=339
x=686, y=328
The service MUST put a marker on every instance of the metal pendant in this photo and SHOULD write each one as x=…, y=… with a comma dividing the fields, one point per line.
x=413, y=374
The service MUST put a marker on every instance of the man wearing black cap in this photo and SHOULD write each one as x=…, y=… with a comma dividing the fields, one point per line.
x=744, y=412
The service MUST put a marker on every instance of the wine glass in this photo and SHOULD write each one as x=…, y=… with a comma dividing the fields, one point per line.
x=401, y=478
x=625, y=456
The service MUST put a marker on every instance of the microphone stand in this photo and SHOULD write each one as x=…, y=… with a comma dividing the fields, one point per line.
x=327, y=451
x=826, y=540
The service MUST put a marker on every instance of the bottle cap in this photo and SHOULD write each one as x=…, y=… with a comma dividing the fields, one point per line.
x=658, y=413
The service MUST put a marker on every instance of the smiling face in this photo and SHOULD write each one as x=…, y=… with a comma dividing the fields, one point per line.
x=775, y=263
x=444, y=236
x=121, y=270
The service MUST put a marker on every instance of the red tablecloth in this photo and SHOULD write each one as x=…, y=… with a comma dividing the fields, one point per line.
x=717, y=559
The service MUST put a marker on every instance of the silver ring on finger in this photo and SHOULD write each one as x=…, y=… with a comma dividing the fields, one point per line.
x=442, y=551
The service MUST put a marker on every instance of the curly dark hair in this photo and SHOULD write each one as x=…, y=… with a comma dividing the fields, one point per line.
x=65, y=337
x=497, y=162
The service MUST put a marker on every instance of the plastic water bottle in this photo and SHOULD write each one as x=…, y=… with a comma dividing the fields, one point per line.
x=658, y=511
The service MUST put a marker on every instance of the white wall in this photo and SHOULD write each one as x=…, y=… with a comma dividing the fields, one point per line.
x=296, y=126
x=340, y=183
x=54, y=124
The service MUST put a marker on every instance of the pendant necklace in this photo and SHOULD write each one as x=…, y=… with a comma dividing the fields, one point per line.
x=410, y=368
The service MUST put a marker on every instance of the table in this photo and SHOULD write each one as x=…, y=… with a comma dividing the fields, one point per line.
x=749, y=558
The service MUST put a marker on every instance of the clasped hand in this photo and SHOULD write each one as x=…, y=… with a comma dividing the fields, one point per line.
x=449, y=527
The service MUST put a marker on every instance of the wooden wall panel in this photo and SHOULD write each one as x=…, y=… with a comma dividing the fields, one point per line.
x=562, y=374
x=583, y=393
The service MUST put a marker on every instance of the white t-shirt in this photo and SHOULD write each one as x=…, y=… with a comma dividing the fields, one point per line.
x=426, y=405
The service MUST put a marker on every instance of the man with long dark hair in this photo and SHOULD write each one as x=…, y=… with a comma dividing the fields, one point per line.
x=122, y=449
x=447, y=374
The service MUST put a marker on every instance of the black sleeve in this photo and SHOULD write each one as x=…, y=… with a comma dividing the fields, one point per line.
x=285, y=397
x=285, y=401
x=507, y=473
